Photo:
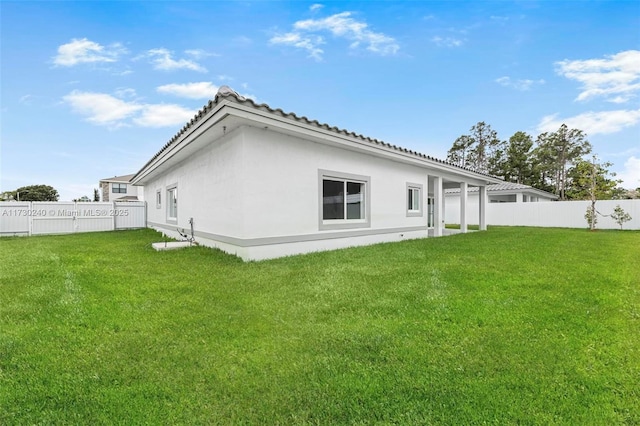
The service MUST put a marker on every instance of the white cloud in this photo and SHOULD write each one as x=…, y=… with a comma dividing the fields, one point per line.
x=500, y=19
x=126, y=93
x=310, y=44
x=80, y=51
x=101, y=108
x=242, y=41
x=593, y=123
x=162, y=115
x=199, y=53
x=447, y=41
x=162, y=60
x=630, y=176
x=107, y=110
x=616, y=77
x=521, y=84
x=340, y=25
x=315, y=7
x=27, y=99
x=200, y=90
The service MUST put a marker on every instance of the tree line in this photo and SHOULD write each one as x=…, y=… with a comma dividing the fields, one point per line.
x=556, y=162
x=41, y=193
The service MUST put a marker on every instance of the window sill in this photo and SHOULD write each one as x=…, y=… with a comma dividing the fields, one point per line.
x=344, y=224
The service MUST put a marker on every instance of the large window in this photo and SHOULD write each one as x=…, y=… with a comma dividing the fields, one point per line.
x=119, y=188
x=344, y=200
x=414, y=199
x=172, y=204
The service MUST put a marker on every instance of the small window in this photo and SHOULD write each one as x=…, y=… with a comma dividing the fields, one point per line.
x=414, y=199
x=344, y=200
x=172, y=204
x=119, y=188
x=158, y=199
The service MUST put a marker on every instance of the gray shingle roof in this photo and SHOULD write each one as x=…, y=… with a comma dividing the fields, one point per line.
x=123, y=178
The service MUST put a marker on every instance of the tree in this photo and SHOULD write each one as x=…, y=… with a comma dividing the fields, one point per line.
x=518, y=166
x=460, y=152
x=591, y=216
x=543, y=169
x=35, y=193
x=481, y=150
x=487, y=147
x=83, y=199
x=96, y=195
x=557, y=152
x=589, y=180
x=631, y=194
x=620, y=216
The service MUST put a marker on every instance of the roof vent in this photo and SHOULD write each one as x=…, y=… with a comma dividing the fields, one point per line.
x=225, y=91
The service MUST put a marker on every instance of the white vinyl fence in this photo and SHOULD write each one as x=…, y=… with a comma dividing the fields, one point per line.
x=562, y=214
x=38, y=218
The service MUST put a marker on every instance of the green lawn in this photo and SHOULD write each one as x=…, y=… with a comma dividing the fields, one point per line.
x=509, y=326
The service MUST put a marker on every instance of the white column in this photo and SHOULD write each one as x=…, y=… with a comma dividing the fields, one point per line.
x=463, y=206
x=438, y=209
x=482, y=203
x=425, y=204
x=519, y=197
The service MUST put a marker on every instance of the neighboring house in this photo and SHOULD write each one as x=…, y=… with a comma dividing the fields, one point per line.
x=504, y=192
x=119, y=188
x=261, y=183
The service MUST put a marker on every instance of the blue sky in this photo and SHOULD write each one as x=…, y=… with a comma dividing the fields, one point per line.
x=93, y=89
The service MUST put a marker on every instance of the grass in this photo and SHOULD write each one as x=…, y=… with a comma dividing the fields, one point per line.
x=457, y=226
x=510, y=326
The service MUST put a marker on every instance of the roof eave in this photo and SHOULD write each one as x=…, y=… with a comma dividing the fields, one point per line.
x=233, y=104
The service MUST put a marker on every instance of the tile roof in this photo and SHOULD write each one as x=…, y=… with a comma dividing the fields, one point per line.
x=504, y=186
x=226, y=93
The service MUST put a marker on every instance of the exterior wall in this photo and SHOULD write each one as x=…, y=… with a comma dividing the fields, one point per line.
x=283, y=185
x=255, y=193
x=109, y=195
x=209, y=185
x=105, y=189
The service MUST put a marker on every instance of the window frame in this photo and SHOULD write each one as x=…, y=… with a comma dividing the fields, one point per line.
x=158, y=199
x=170, y=189
x=412, y=188
x=120, y=187
x=328, y=224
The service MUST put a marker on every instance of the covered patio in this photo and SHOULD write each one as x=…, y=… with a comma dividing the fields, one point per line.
x=436, y=204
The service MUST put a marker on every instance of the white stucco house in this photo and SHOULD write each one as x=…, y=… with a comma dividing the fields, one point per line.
x=262, y=183
x=119, y=188
x=504, y=192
